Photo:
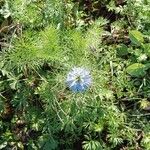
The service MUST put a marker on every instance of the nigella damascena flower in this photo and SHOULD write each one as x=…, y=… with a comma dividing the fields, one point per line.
x=78, y=79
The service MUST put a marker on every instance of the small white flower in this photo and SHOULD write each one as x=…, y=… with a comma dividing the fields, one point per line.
x=143, y=57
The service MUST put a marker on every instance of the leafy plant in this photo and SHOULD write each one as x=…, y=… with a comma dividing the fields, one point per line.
x=42, y=42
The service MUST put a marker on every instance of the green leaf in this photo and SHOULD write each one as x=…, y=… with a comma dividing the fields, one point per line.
x=122, y=50
x=92, y=145
x=49, y=143
x=136, y=37
x=147, y=66
x=147, y=49
x=136, y=70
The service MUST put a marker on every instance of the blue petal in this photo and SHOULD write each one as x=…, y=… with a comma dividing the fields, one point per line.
x=77, y=86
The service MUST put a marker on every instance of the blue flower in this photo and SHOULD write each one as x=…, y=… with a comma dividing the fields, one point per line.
x=78, y=79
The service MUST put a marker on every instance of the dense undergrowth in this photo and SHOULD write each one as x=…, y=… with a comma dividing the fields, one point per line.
x=41, y=41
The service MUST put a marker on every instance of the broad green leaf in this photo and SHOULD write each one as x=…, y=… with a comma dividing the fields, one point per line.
x=136, y=37
x=147, y=49
x=136, y=70
x=122, y=50
x=49, y=143
x=147, y=66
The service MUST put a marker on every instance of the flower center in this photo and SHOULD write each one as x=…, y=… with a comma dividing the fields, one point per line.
x=78, y=79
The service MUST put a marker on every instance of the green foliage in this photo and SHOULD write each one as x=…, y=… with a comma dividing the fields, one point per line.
x=29, y=53
x=92, y=145
x=136, y=37
x=122, y=50
x=41, y=44
x=136, y=70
